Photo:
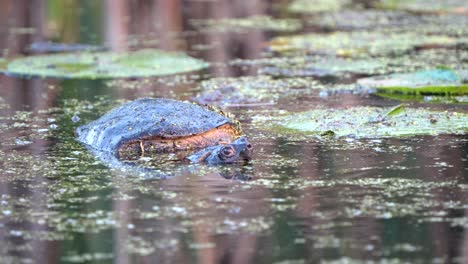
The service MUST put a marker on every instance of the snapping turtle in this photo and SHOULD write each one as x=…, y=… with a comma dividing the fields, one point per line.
x=156, y=125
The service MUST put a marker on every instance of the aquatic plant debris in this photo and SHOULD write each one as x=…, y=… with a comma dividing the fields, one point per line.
x=316, y=6
x=250, y=90
x=361, y=42
x=319, y=66
x=373, y=122
x=142, y=63
x=245, y=23
x=437, y=81
x=426, y=6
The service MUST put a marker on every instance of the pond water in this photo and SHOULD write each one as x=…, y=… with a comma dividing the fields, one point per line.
x=302, y=198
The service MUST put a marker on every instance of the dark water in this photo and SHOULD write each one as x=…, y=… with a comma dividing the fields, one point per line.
x=307, y=201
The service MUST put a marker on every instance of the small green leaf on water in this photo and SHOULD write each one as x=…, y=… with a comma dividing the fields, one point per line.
x=396, y=110
x=142, y=63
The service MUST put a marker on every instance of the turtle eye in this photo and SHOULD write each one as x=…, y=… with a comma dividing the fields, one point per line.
x=227, y=152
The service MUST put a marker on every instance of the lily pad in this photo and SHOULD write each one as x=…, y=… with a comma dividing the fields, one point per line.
x=427, y=6
x=141, y=63
x=250, y=90
x=373, y=122
x=432, y=99
x=246, y=23
x=438, y=81
x=324, y=66
x=316, y=6
x=361, y=42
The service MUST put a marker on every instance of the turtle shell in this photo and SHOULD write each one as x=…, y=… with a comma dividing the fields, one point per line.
x=147, y=118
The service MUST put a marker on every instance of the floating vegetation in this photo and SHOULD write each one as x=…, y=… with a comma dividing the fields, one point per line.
x=141, y=63
x=361, y=43
x=372, y=122
x=324, y=66
x=247, y=23
x=433, y=99
x=364, y=19
x=426, y=6
x=316, y=6
x=251, y=90
x=438, y=81
x=391, y=19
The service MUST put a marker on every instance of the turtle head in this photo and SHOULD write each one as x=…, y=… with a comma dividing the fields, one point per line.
x=238, y=150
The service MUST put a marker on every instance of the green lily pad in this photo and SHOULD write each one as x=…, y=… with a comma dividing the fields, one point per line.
x=141, y=63
x=315, y=6
x=250, y=90
x=361, y=42
x=246, y=23
x=324, y=66
x=432, y=99
x=438, y=81
x=373, y=122
x=431, y=6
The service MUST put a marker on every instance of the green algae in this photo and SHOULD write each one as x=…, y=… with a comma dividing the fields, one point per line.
x=142, y=63
x=371, y=122
x=360, y=42
x=308, y=6
x=260, y=22
x=438, y=81
x=424, y=6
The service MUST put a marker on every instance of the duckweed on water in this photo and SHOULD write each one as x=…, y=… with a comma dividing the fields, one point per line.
x=247, y=23
x=438, y=81
x=141, y=63
x=361, y=42
x=371, y=122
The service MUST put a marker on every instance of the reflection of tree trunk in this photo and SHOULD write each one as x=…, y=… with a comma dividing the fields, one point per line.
x=123, y=210
x=117, y=24
x=464, y=245
x=169, y=17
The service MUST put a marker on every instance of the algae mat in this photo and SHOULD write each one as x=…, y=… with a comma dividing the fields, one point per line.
x=143, y=63
x=373, y=122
